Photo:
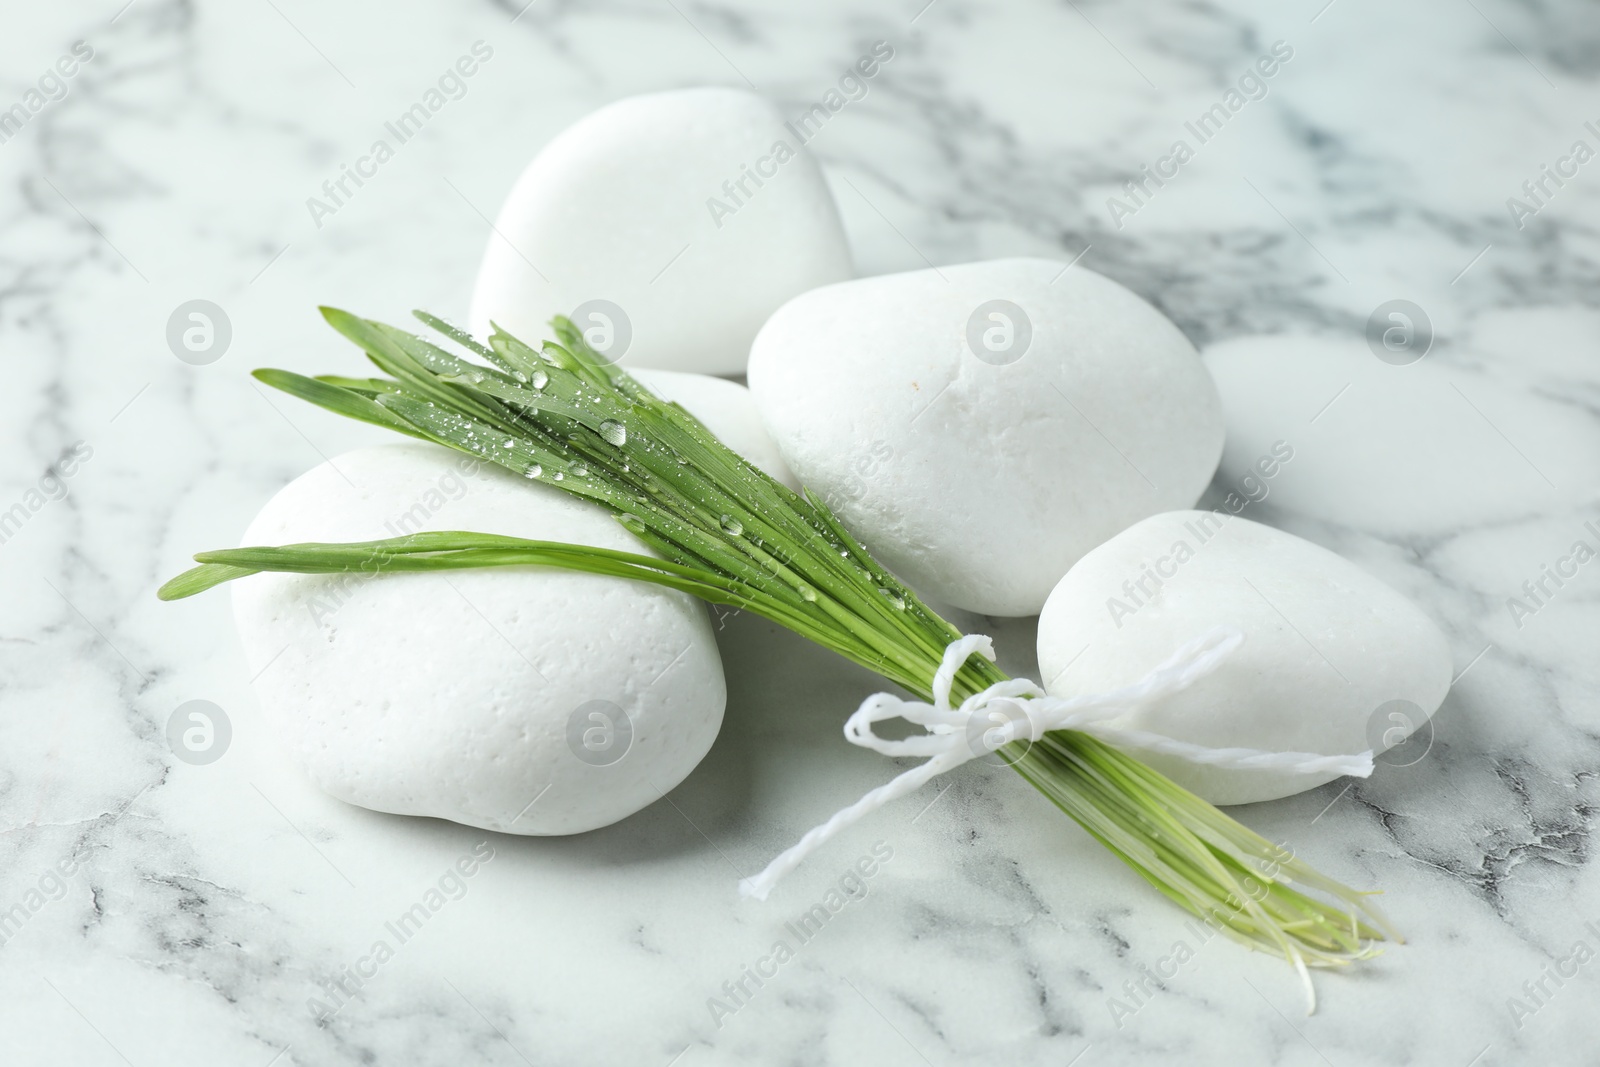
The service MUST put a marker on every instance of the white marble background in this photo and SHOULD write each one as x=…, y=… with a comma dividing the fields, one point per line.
x=210, y=900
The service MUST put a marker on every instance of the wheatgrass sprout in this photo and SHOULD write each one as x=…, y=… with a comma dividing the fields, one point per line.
x=729, y=534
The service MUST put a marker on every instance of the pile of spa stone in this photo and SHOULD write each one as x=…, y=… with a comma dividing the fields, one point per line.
x=1011, y=438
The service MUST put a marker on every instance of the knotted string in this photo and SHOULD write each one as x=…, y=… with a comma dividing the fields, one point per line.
x=1018, y=710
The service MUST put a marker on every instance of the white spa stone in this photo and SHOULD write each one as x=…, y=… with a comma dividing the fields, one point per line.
x=1423, y=449
x=1326, y=646
x=455, y=694
x=977, y=451
x=727, y=410
x=619, y=208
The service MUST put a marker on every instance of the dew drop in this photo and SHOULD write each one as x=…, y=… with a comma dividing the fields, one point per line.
x=808, y=594
x=732, y=525
x=894, y=600
x=508, y=443
x=532, y=471
x=539, y=379
x=580, y=469
x=632, y=522
x=614, y=432
x=560, y=477
x=519, y=376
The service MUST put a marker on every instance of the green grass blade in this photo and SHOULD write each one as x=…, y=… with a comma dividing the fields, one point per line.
x=337, y=399
x=199, y=579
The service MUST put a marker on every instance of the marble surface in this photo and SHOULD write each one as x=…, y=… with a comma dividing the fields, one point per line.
x=206, y=906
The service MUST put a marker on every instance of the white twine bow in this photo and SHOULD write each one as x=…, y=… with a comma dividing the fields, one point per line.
x=1018, y=710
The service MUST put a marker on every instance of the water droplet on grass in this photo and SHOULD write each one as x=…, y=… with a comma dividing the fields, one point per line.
x=614, y=432
x=732, y=525
x=894, y=599
x=533, y=470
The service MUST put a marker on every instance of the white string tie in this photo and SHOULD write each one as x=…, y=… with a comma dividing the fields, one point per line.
x=1018, y=710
